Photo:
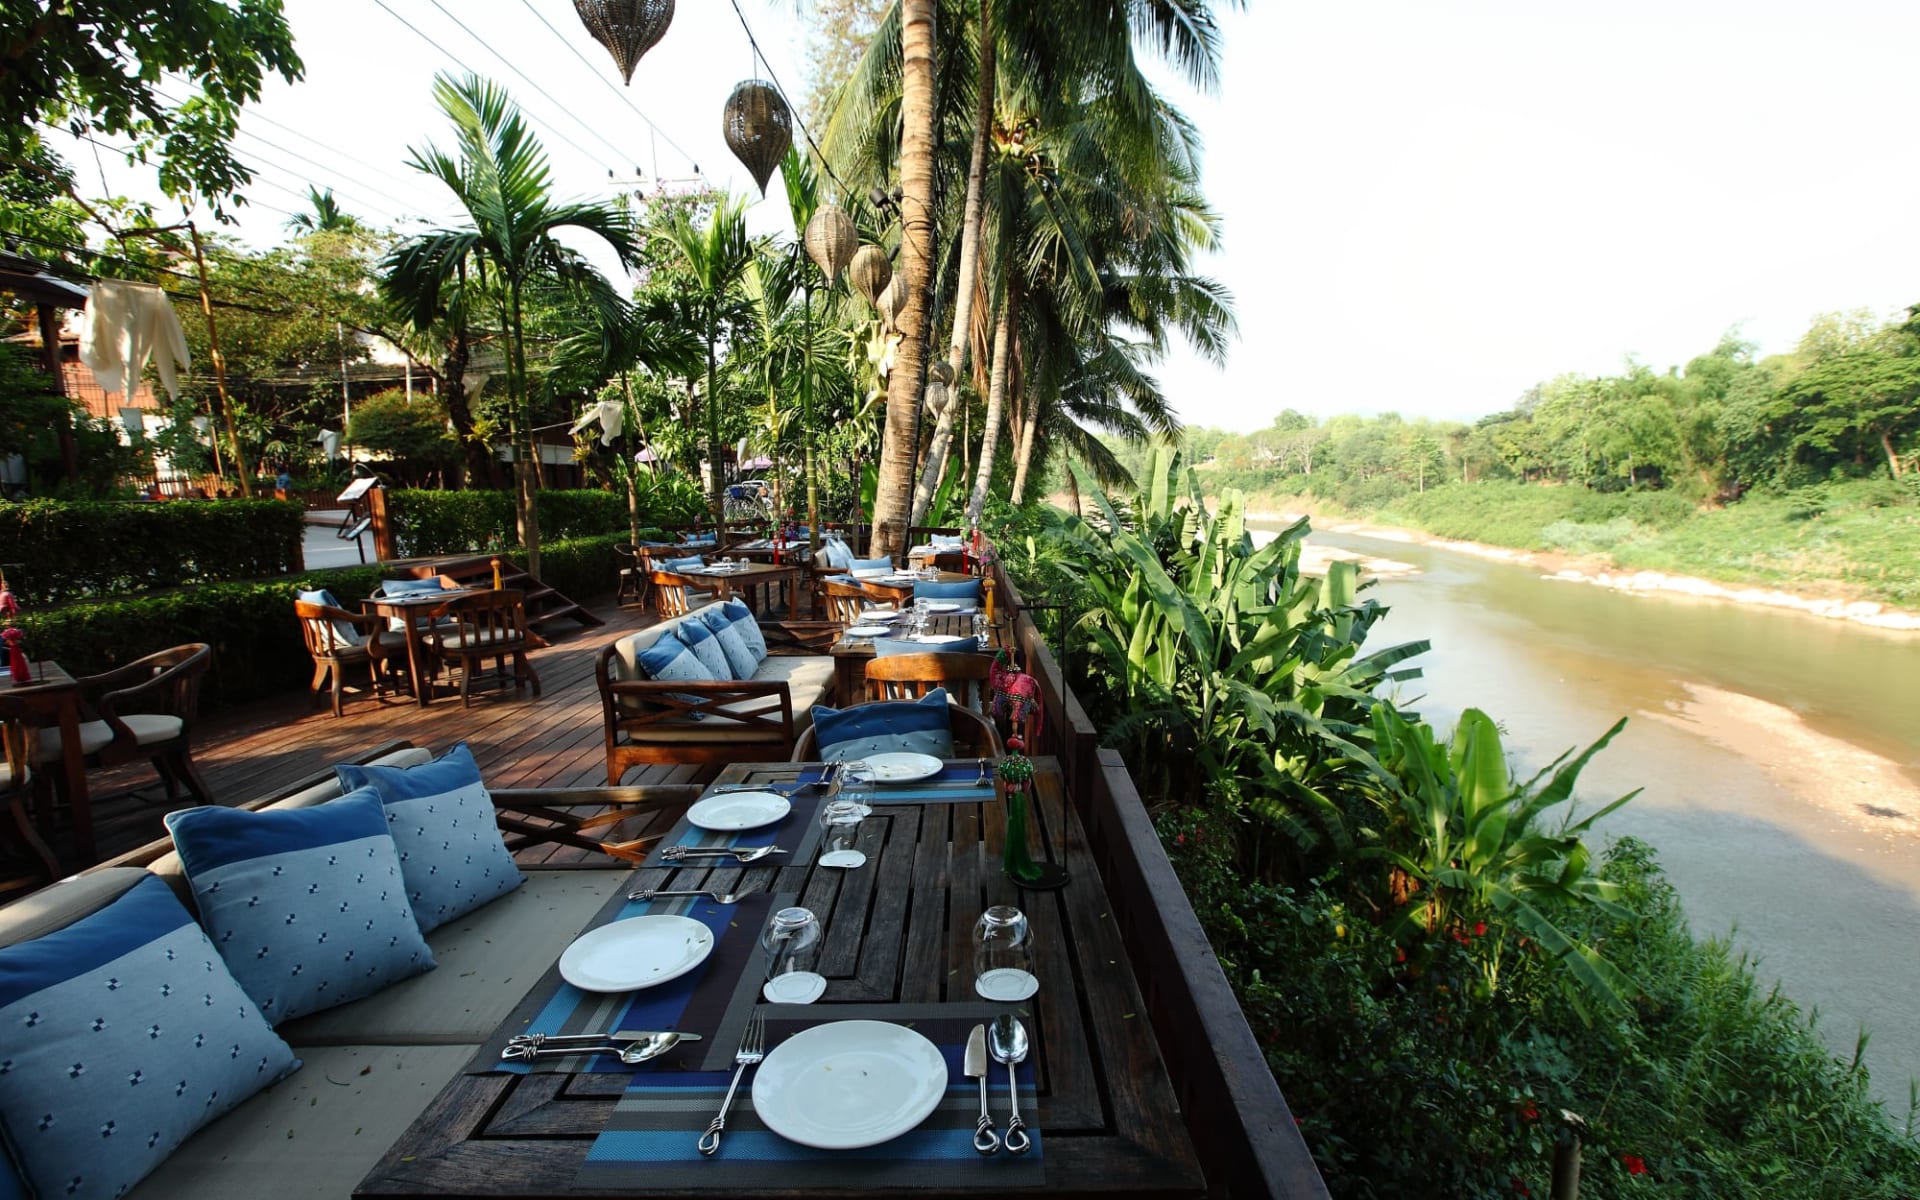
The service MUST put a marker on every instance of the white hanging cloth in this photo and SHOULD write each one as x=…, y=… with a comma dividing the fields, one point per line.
x=611, y=417
x=126, y=324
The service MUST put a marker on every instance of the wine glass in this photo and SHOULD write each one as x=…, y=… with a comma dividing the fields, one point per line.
x=1003, y=955
x=792, y=942
x=840, y=821
x=980, y=631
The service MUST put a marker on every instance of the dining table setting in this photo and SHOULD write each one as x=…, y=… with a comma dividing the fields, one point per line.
x=820, y=982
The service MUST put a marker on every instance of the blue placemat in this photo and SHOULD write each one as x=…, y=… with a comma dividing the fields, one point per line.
x=957, y=783
x=798, y=831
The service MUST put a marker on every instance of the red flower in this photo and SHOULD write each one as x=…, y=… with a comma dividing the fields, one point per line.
x=1528, y=1111
x=1181, y=840
x=1634, y=1163
x=1399, y=954
x=1479, y=929
x=1520, y=1185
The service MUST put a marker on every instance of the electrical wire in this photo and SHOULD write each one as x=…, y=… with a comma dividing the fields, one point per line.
x=601, y=76
x=775, y=79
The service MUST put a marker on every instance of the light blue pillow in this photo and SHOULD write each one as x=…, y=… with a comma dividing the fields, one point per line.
x=441, y=819
x=944, y=539
x=683, y=564
x=918, y=726
x=836, y=554
x=307, y=905
x=882, y=647
x=699, y=639
x=670, y=660
x=124, y=1034
x=349, y=634
x=749, y=630
x=967, y=591
x=871, y=564
x=705, y=539
x=741, y=663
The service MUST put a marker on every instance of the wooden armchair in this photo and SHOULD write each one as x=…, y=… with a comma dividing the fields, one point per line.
x=340, y=640
x=145, y=709
x=718, y=721
x=677, y=594
x=487, y=625
x=844, y=601
x=634, y=571
x=26, y=861
x=973, y=737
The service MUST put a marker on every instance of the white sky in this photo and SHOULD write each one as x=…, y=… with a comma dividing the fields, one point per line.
x=1429, y=206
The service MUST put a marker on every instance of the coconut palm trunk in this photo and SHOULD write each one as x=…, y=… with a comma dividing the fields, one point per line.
x=1023, y=453
x=971, y=222
x=893, y=498
x=996, y=405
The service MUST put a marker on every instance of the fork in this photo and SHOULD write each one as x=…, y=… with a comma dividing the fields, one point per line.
x=753, y=1048
x=655, y=893
x=750, y=854
x=985, y=780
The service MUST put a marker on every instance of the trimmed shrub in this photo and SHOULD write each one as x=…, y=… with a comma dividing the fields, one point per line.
x=432, y=522
x=58, y=551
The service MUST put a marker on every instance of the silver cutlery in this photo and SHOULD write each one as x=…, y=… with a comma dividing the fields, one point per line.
x=624, y=1035
x=985, y=1140
x=656, y=893
x=752, y=854
x=630, y=1053
x=1009, y=1040
x=986, y=774
x=753, y=1048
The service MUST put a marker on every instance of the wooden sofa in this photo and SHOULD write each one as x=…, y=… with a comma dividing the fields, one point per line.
x=372, y=1066
x=746, y=720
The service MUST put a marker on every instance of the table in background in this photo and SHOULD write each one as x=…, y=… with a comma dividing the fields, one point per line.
x=898, y=931
x=764, y=578
x=417, y=611
x=902, y=593
x=57, y=697
x=851, y=655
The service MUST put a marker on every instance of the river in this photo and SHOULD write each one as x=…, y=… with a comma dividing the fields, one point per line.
x=1779, y=753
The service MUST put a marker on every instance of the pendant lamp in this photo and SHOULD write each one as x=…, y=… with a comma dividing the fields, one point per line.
x=831, y=240
x=627, y=28
x=759, y=128
x=870, y=272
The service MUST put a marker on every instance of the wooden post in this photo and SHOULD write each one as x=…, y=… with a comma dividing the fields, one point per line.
x=1566, y=1166
x=383, y=547
x=50, y=346
x=220, y=367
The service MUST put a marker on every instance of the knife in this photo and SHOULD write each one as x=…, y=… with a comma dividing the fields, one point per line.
x=985, y=1140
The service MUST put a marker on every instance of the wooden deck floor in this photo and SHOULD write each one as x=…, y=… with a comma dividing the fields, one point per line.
x=519, y=741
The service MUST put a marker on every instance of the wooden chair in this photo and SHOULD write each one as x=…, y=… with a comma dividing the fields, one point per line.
x=633, y=574
x=29, y=861
x=910, y=676
x=488, y=625
x=844, y=601
x=676, y=594
x=145, y=709
x=973, y=737
x=339, y=640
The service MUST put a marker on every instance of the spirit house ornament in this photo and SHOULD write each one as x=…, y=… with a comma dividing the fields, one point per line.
x=759, y=128
x=627, y=28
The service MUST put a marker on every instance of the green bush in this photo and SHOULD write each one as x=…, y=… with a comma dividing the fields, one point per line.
x=57, y=551
x=434, y=522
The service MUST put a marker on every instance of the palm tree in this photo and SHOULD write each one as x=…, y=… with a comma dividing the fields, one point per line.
x=326, y=216
x=715, y=258
x=502, y=180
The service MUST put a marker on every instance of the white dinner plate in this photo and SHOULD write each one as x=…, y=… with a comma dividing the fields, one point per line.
x=730, y=812
x=939, y=639
x=849, y=1084
x=867, y=630
x=635, y=953
x=885, y=611
x=871, y=573
x=900, y=766
x=942, y=606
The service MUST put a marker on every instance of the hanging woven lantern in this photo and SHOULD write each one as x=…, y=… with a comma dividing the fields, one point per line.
x=831, y=240
x=758, y=127
x=892, y=301
x=870, y=272
x=627, y=28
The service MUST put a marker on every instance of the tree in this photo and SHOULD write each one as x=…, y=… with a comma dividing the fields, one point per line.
x=100, y=69
x=326, y=216
x=410, y=430
x=502, y=181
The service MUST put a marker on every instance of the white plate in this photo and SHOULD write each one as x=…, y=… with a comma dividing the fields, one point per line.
x=794, y=987
x=1007, y=984
x=733, y=811
x=845, y=860
x=635, y=953
x=871, y=573
x=899, y=766
x=942, y=606
x=849, y=1084
x=867, y=630
x=881, y=611
x=939, y=639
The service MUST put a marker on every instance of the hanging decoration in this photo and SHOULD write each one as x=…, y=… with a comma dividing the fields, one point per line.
x=627, y=28
x=831, y=240
x=1016, y=697
x=759, y=128
x=892, y=302
x=870, y=272
x=17, y=663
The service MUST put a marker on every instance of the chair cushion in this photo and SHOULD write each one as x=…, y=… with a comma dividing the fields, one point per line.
x=884, y=647
x=683, y=564
x=308, y=905
x=882, y=565
x=836, y=553
x=741, y=662
x=346, y=634
x=918, y=726
x=443, y=827
x=149, y=728
x=126, y=1034
x=860, y=573
x=94, y=737
x=672, y=660
x=944, y=539
x=700, y=639
x=748, y=628
x=481, y=637
x=967, y=590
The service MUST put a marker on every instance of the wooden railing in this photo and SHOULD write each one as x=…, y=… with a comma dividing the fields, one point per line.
x=1239, y=1121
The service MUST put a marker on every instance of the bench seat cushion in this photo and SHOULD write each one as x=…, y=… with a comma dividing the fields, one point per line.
x=313, y=1136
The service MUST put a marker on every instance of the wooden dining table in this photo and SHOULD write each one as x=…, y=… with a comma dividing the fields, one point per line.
x=756, y=578
x=417, y=611
x=898, y=589
x=56, y=697
x=897, y=949
x=852, y=654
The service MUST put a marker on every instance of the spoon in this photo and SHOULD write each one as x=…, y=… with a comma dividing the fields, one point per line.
x=675, y=853
x=1008, y=1041
x=652, y=893
x=631, y=1053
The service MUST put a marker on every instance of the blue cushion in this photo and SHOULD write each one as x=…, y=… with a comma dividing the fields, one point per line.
x=944, y=539
x=670, y=659
x=704, y=539
x=882, y=647
x=349, y=634
x=741, y=663
x=871, y=564
x=836, y=554
x=124, y=1034
x=683, y=564
x=12, y=1187
x=442, y=823
x=965, y=590
x=699, y=639
x=307, y=905
x=919, y=726
x=749, y=630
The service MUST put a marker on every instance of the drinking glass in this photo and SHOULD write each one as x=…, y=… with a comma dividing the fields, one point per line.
x=1003, y=955
x=854, y=782
x=980, y=631
x=840, y=821
x=792, y=942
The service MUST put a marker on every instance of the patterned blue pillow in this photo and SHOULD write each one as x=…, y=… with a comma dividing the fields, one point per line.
x=966, y=591
x=699, y=639
x=871, y=564
x=836, y=554
x=748, y=629
x=683, y=564
x=307, y=905
x=920, y=726
x=882, y=647
x=125, y=1033
x=441, y=818
x=741, y=664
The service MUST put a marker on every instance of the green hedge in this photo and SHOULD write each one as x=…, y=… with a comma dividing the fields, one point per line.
x=70, y=550
x=257, y=648
x=432, y=522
